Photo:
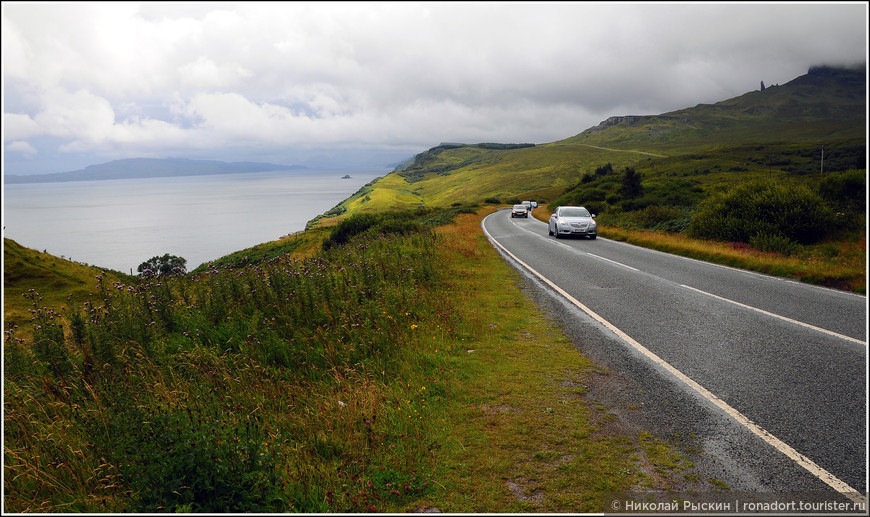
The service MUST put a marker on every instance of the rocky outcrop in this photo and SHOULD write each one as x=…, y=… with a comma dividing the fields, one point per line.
x=630, y=120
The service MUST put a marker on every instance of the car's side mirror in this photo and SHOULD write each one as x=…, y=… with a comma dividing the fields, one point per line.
x=593, y=216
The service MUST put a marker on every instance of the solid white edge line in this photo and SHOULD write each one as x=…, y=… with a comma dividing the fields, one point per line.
x=731, y=268
x=808, y=464
x=774, y=315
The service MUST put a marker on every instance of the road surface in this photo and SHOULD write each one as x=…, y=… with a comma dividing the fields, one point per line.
x=769, y=375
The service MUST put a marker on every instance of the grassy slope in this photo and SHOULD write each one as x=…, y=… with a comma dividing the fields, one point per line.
x=541, y=172
x=483, y=409
x=522, y=369
x=759, y=134
x=825, y=107
x=56, y=280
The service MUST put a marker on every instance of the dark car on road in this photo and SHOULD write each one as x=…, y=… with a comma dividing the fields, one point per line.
x=520, y=211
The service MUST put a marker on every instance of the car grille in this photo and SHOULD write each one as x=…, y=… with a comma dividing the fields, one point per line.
x=579, y=226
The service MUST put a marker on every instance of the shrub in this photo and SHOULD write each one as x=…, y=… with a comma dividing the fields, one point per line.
x=165, y=265
x=774, y=243
x=847, y=189
x=655, y=215
x=631, y=183
x=764, y=206
x=387, y=223
x=604, y=170
x=191, y=461
x=596, y=207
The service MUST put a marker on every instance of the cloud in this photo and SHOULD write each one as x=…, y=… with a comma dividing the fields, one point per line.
x=21, y=147
x=131, y=77
x=18, y=126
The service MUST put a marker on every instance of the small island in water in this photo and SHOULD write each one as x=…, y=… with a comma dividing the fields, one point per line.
x=346, y=177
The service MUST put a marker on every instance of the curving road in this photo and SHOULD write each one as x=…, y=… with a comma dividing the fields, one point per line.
x=770, y=375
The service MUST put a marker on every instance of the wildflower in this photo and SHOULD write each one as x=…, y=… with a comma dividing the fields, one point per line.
x=413, y=326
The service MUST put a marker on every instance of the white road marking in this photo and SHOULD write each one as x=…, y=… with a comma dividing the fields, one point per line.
x=774, y=315
x=808, y=464
x=761, y=311
x=612, y=261
x=573, y=249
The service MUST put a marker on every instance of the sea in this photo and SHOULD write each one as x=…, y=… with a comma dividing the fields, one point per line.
x=118, y=224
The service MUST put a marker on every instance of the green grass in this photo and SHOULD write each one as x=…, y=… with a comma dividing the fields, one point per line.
x=684, y=158
x=839, y=264
x=302, y=244
x=388, y=374
x=399, y=371
x=520, y=435
x=58, y=281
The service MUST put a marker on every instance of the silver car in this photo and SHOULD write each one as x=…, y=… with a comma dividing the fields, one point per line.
x=573, y=220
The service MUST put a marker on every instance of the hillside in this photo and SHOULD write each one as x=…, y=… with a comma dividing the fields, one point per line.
x=150, y=168
x=359, y=380
x=780, y=130
x=826, y=104
x=58, y=281
x=368, y=376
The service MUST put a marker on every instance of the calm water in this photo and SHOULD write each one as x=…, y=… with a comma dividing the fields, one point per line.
x=118, y=224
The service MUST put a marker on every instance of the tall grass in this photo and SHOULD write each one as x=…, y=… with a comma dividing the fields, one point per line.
x=287, y=386
x=837, y=264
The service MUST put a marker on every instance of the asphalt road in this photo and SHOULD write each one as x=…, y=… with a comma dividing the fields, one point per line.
x=769, y=375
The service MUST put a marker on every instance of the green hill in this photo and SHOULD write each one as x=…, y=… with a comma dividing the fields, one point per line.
x=58, y=281
x=825, y=105
x=798, y=144
x=780, y=130
x=368, y=377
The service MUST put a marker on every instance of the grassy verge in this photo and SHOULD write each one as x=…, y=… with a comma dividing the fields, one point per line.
x=839, y=264
x=393, y=373
x=518, y=435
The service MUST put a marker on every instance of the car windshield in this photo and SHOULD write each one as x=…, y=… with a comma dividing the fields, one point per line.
x=574, y=212
x=519, y=207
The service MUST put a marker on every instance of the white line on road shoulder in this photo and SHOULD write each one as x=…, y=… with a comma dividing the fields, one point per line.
x=774, y=315
x=808, y=464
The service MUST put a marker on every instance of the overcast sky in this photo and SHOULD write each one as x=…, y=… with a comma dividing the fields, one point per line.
x=86, y=83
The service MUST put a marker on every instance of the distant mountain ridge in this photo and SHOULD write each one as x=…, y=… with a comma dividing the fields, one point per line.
x=131, y=168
